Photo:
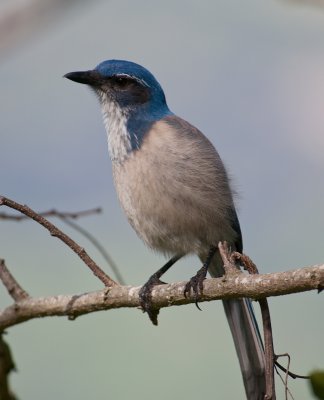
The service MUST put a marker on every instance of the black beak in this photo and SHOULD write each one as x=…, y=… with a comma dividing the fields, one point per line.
x=92, y=77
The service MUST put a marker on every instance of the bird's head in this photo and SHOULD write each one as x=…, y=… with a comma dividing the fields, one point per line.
x=131, y=101
x=130, y=86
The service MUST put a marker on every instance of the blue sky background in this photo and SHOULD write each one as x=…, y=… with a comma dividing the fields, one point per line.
x=250, y=75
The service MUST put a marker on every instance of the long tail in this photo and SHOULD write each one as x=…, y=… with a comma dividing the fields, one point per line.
x=247, y=340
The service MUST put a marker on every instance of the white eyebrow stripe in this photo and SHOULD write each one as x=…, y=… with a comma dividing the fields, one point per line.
x=141, y=81
x=123, y=75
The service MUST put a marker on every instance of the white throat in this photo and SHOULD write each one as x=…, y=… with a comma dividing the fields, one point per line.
x=115, y=121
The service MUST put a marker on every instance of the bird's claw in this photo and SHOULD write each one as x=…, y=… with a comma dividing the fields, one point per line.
x=145, y=295
x=196, y=284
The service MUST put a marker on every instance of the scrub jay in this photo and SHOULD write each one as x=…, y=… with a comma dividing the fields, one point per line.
x=175, y=192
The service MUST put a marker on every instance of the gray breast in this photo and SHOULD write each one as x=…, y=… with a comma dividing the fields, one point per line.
x=175, y=191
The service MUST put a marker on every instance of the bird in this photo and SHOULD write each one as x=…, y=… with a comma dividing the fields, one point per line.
x=176, y=193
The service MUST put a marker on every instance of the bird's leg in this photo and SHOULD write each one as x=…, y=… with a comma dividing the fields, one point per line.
x=196, y=282
x=145, y=294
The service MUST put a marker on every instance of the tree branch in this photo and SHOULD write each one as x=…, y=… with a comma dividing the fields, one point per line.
x=54, y=231
x=242, y=285
x=95, y=242
x=268, y=350
x=13, y=287
x=52, y=213
x=66, y=217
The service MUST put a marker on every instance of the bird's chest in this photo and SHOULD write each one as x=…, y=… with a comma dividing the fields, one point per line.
x=139, y=190
x=161, y=210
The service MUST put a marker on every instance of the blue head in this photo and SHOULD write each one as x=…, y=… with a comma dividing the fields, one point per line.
x=129, y=94
x=132, y=86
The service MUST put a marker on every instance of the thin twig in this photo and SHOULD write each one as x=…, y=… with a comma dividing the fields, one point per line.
x=54, y=231
x=97, y=245
x=53, y=213
x=249, y=266
x=286, y=374
x=229, y=267
x=283, y=382
x=291, y=374
x=13, y=287
x=245, y=261
x=66, y=217
x=268, y=349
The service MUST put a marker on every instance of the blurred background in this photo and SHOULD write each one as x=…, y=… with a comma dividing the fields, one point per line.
x=250, y=75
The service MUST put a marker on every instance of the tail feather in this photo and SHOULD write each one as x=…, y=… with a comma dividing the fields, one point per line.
x=248, y=346
x=247, y=341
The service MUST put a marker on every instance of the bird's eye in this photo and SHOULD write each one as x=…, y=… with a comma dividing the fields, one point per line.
x=122, y=81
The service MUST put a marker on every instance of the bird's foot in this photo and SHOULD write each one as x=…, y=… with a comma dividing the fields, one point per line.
x=196, y=284
x=145, y=295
